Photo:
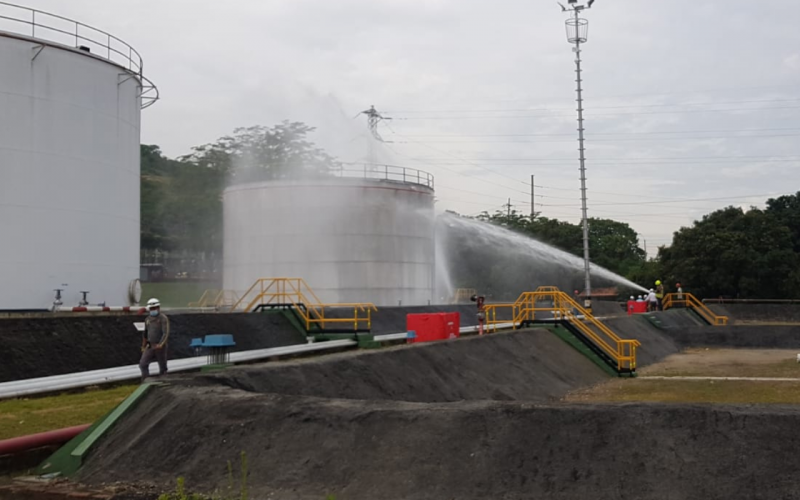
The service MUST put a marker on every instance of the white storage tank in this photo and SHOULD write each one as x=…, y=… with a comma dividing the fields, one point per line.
x=365, y=238
x=70, y=101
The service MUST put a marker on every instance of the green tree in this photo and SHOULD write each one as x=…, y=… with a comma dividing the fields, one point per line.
x=787, y=210
x=181, y=200
x=259, y=153
x=155, y=171
x=614, y=245
x=734, y=253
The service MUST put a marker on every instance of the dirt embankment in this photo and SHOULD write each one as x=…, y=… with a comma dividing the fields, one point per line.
x=656, y=343
x=532, y=365
x=304, y=448
x=759, y=313
x=746, y=336
x=676, y=333
x=40, y=347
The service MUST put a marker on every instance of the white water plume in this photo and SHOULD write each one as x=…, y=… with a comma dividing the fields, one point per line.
x=478, y=251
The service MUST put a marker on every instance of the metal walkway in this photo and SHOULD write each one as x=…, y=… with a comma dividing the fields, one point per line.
x=295, y=294
x=550, y=305
x=689, y=301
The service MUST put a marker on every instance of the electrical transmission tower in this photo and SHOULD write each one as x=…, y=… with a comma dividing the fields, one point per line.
x=373, y=118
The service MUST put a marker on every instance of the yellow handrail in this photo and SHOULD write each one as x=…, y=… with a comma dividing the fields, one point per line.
x=564, y=308
x=689, y=301
x=295, y=293
x=216, y=298
x=204, y=299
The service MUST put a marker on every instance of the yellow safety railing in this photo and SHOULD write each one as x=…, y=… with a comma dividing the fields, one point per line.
x=689, y=301
x=562, y=307
x=219, y=299
x=295, y=293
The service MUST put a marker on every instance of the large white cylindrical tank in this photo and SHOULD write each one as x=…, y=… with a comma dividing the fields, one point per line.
x=69, y=174
x=351, y=239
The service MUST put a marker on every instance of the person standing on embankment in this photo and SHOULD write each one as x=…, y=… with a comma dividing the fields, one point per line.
x=652, y=301
x=660, y=295
x=154, y=339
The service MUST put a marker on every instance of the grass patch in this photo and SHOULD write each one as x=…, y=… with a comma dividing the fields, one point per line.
x=176, y=293
x=19, y=417
x=780, y=363
x=691, y=391
x=788, y=368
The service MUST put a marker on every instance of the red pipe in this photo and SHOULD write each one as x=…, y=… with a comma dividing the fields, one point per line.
x=24, y=443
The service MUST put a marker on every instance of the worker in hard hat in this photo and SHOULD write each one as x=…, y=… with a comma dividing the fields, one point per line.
x=679, y=290
x=659, y=295
x=154, y=339
x=652, y=301
x=479, y=302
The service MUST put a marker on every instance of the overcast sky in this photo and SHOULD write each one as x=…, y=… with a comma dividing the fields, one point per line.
x=685, y=100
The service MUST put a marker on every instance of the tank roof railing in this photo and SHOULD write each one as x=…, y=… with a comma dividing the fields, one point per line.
x=58, y=29
x=385, y=172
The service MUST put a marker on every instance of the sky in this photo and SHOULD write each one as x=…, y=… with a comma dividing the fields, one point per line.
x=690, y=106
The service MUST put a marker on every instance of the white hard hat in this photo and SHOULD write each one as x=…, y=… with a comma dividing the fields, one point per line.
x=153, y=303
x=651, y=289
x=631, y=297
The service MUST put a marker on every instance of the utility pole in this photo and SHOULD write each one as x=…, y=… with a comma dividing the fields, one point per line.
x=577, y=33
x=508, y=210
x=533, y=199
x=373, y=117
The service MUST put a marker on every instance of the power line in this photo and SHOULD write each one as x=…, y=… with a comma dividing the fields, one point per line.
x=651, y=94
x=665, y=132
x=641, y=159
x=562, y=113
x=621, y=139
x=470, y=163
x=687, y=200
x=625, y=106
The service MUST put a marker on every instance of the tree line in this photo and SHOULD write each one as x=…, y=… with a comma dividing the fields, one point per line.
x=730, y=252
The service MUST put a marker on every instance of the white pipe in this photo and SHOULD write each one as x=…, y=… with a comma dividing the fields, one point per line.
x=393, y=336
x=20, y=388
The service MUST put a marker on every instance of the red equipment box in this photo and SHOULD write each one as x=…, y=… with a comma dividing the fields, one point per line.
x=432, y=327
x=635, y=307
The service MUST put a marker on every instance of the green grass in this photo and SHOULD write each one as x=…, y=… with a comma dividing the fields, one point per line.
x=176, y=293
x=691, y=391
x=788, y=368
x=19, y=417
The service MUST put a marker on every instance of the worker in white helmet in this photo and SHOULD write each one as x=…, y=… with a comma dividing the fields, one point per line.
x=652, y=301
x=154, y=339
